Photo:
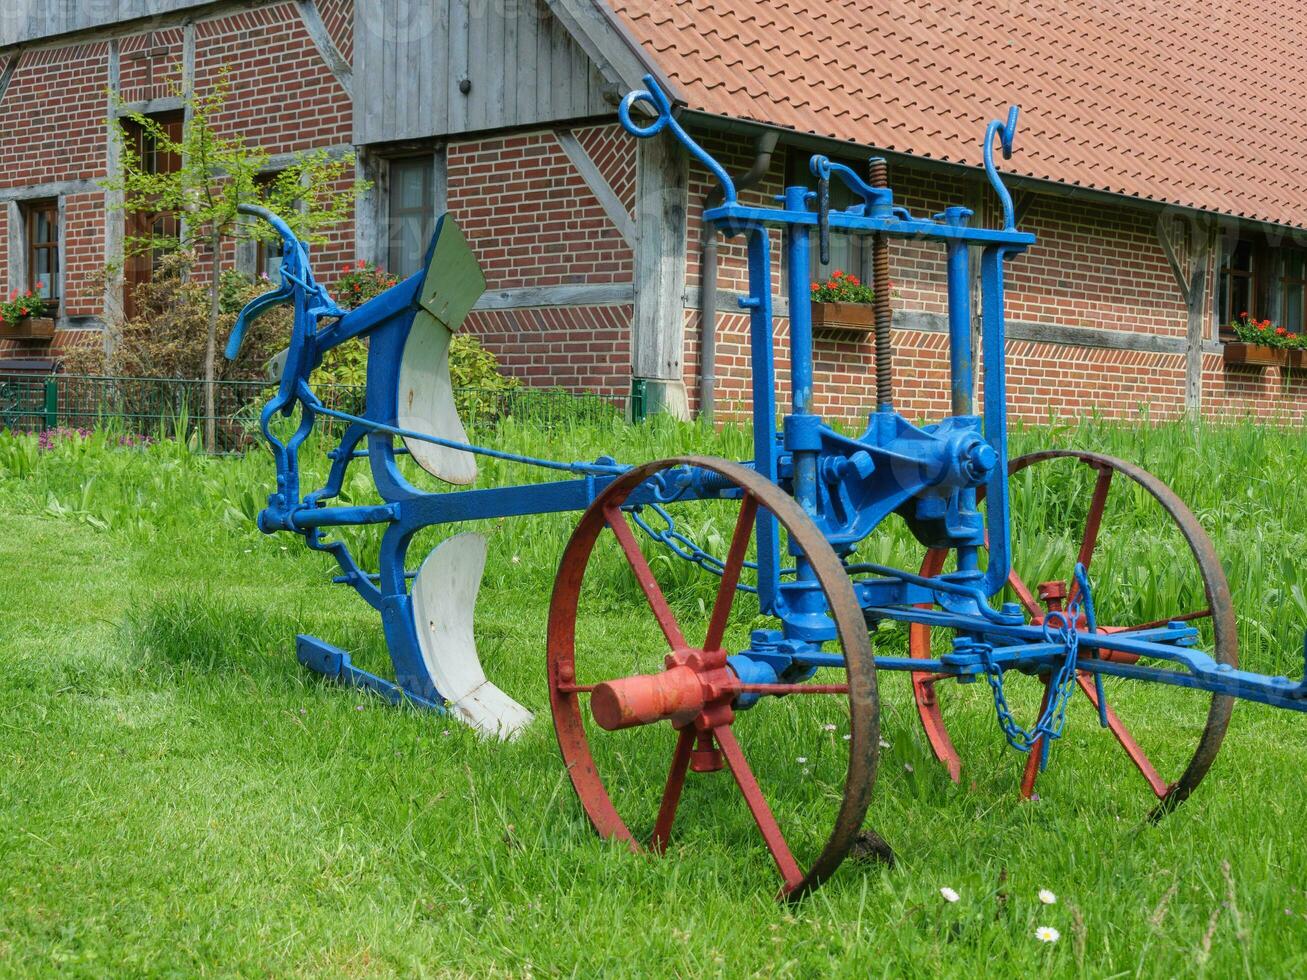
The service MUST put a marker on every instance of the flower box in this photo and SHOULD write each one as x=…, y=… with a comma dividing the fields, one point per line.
x=28, y=328
x=856, y=317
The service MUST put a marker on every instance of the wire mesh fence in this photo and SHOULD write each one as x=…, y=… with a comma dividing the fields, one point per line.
x=174, y=408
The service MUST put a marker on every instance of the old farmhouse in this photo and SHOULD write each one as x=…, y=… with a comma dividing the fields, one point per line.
x=1163, y=174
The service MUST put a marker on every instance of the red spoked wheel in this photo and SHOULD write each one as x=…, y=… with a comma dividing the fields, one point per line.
x=1150, y=563
x=660, y=705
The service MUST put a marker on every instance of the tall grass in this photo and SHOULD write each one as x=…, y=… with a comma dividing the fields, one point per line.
x=1237, y=479
x=179, y=797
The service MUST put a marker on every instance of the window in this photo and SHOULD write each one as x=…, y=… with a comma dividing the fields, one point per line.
x=1293, y=279
x=1237, y=285
x=139, y=266
x=43, y=249
x=268, y=254
x=846, y=251
x=1266, y=283
x=412, y=213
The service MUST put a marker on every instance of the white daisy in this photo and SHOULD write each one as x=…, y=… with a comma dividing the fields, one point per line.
x=1047, y=897
x=828, y=728
x=949, y=894
x=801, y=759
x=1047, y=934
x=884, y=744
x=907, y=766
x=847, y=736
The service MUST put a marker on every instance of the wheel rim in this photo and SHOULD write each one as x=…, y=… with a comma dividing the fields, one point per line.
x=690, y=665
x=1099, y=478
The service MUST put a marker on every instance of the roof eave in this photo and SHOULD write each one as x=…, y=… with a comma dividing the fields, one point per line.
x=1017, y=182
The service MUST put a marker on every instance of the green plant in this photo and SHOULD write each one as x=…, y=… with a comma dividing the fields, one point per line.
x=360, y=282
x=347, y=364
x=221, y=169
x=19, y=306
x=1267, y=334
x=842, y=287
x=159, y=339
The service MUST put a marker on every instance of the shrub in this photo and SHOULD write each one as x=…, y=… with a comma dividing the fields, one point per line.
x=166, y=336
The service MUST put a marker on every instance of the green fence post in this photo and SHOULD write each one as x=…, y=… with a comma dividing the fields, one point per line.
x=51, y=403
x=638, y=406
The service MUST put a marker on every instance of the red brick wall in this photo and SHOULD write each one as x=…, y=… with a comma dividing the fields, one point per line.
x=150, y=65
x=530, y=217
x=52, y=121
x=580, y=348
x=52, y=116
x=1093, y=267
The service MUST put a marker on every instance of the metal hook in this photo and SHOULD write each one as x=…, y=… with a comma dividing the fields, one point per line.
x=1005, y=132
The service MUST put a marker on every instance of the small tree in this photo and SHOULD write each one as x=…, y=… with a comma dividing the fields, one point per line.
x=220, y=169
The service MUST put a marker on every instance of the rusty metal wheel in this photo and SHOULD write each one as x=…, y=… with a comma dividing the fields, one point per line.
x=813, y=742
x=1156, y=565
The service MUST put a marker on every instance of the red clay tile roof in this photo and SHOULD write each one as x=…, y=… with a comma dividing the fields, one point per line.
x=1188, y=102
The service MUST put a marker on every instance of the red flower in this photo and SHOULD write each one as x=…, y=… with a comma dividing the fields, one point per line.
x=854, y=280
x=1280, y=331
x=837, y=273
x=1243, y=316
x=362, y=264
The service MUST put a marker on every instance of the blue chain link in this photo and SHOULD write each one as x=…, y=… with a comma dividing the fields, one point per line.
x=683, y=547
x=1051, y=721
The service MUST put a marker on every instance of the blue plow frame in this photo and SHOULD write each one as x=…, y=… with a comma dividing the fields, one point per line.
x=928, y=475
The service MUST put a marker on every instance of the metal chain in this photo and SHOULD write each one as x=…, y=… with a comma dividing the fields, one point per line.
x=1063, y=684
x=683, y=547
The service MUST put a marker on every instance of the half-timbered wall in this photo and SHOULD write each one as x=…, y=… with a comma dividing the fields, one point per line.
x=443, y=67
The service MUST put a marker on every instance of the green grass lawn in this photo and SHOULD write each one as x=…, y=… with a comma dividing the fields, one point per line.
x=179, y=797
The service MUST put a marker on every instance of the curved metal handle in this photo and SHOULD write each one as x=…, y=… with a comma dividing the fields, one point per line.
x=295, y=274
x=280, y=226
x=653, y=95
x=254, y=309
x=1005, y=132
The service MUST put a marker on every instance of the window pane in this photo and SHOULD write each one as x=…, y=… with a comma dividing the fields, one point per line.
x=1292, y=316
x=845, y=255
x=1293, y=265
x=409, y=181
x=45, y=273
x=272, y=261
x=412, y=214
x=1240, y=294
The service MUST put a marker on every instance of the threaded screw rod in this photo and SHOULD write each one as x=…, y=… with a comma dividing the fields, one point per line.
x=878, y=176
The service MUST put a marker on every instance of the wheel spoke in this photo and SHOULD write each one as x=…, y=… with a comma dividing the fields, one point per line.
x=645, y=576
x=1093, y=524
x=672, y=792
x=1036, y=754
x=1026, y=597
x=731, y=573
x=762, y=815
x=1137, y=755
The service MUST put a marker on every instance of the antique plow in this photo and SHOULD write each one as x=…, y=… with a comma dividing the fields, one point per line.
x=639, y=706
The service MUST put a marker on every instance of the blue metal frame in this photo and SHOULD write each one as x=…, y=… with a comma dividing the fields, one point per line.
x=928, y=475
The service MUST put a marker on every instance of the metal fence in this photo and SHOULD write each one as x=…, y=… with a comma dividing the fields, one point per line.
x=173, y=408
